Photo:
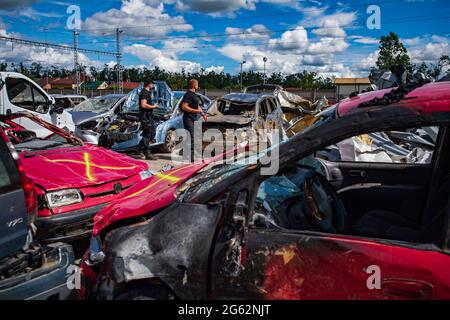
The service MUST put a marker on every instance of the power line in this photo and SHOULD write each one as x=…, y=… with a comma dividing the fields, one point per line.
x=53, y=46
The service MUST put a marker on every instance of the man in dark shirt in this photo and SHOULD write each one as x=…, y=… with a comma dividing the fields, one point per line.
x=146, y=106
x=191, y=105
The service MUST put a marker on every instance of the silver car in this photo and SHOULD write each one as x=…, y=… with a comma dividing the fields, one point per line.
x=92, y=113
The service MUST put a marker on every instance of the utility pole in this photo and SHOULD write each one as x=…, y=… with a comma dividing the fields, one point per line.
x=76, y=65
x=118, y=65
x=242, y=63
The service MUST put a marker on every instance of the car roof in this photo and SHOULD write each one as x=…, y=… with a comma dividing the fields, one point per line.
x=243, y=97
x=431, y=97
x=110, y=96
x=68, y=96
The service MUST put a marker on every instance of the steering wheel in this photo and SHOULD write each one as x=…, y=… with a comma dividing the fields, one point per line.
x=323, y=208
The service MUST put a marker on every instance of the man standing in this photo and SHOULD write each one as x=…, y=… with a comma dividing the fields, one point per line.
x=146, y=107
x=191, y=105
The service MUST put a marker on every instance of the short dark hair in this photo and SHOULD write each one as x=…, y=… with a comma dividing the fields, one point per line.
x=147, y=83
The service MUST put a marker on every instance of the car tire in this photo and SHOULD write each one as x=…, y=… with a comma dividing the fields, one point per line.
x=150, y=292
x=169, y=142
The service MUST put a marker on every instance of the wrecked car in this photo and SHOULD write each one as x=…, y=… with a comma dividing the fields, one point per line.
x=315, y=230
x=28, y=270
x=68, y=101
x=165, y=131
x=92, y=115
x=73, y=180
x=247, y=111
x=124, y=133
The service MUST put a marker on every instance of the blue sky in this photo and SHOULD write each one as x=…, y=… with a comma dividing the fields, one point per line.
x=330, y=37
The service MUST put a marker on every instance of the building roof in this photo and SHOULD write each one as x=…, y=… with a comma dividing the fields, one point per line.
x=127, y=85
x=91, y=85
x=351, y=81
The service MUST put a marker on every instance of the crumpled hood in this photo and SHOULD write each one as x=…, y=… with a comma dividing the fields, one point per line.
x=152, y=194
x=78, y=167
x=80, y=117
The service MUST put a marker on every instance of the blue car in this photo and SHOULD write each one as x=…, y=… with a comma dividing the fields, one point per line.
x=165, y=132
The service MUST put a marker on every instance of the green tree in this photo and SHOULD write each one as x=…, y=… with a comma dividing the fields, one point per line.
x=392, y=52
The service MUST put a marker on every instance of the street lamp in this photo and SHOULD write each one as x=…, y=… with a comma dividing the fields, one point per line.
x=242, y=63
x=265, y=60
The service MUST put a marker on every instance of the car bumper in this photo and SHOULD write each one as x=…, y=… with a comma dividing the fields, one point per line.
x=68, y=226
x=49, y=282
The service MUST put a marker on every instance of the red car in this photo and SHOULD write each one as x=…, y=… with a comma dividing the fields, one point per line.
x=358, y=209
x=73, y=180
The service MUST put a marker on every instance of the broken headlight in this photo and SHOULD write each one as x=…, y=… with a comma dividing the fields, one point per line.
x=63, y=198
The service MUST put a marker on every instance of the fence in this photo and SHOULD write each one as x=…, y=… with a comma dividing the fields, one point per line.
x=312, y=95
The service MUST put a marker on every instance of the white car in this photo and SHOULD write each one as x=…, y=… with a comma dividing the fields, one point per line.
x=20, y=93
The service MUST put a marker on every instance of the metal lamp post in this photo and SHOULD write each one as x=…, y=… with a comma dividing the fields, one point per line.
x=242, y=63
x=265, y=60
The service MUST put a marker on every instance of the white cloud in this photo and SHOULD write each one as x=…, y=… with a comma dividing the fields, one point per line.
x=137, y=18
x=364, y=40
x=255, y=32
x=164, y=59
x=215, y=7
x=365, y=63
x=216, y=69
x=291, y=40
x=431, y=52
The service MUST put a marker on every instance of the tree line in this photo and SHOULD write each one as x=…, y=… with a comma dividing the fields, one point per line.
x=178, y=80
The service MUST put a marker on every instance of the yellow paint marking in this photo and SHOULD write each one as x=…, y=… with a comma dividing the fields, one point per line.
x=89, y=165
x=167, y=177
x=287, y=254
x=157, y=181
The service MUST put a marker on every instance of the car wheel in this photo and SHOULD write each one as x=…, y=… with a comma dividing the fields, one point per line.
x=170, y=142
x=150, y=292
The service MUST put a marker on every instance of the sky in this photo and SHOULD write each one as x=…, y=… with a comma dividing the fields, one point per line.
x=332, y=38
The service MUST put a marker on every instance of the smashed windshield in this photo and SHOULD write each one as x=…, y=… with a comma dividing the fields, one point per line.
x=97, y=105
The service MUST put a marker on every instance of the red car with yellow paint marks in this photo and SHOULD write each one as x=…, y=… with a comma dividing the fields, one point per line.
x=346, y=216
x=73, y=180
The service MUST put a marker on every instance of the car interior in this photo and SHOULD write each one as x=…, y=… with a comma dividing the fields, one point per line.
x=382, y=192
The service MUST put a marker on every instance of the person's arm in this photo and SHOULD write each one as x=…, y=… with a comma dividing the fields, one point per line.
x=185, y=106
x=146, y=105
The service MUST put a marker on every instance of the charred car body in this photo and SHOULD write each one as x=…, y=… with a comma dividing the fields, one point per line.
x=78, y=179
x=233, y=232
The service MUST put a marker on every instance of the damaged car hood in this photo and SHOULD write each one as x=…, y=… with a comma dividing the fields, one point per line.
x=77, y=167
x=80, y=117
x=152, y=194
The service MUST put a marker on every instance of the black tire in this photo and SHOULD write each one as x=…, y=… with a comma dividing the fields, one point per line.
x=169, y=142
x=149, y=292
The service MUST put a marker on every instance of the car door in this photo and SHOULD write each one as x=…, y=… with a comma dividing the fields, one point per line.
x=22, y=95
x=252, y=261
x=13, y=217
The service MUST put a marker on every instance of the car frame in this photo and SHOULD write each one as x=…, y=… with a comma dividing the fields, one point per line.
x=222, y=249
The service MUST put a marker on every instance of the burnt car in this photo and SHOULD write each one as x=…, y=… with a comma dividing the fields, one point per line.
x=73, y=180
x=319, y=228
x=247, y=111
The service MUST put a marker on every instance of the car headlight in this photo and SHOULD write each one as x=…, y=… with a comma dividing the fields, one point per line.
x=146, y=174
x=63, y=198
